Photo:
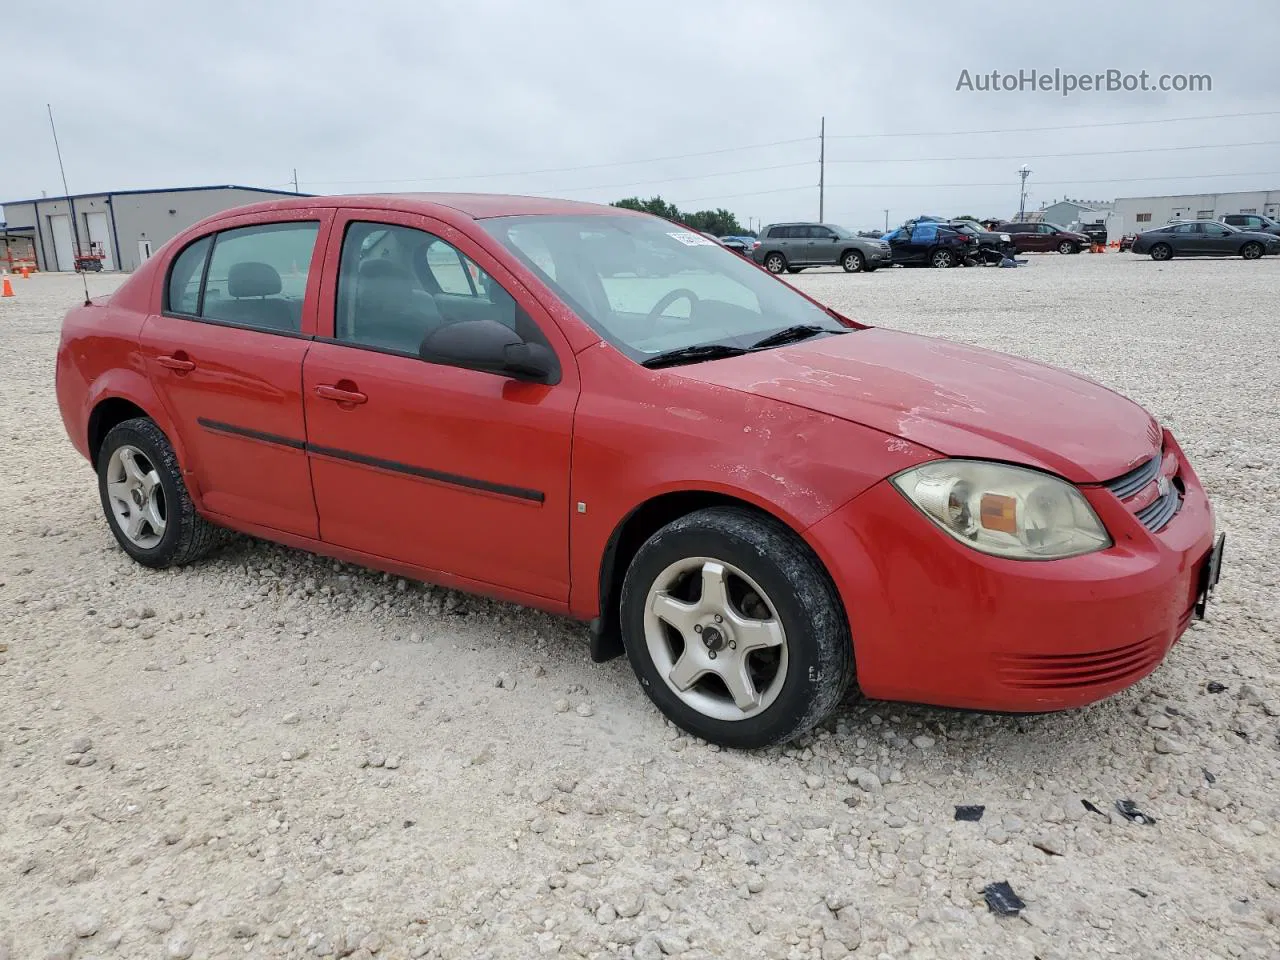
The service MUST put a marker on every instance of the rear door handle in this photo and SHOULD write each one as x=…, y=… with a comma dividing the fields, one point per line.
x=181, y=364
x=339, y=394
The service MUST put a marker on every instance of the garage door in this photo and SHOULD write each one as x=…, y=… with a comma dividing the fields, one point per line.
x=100, y=238
x=63, y=249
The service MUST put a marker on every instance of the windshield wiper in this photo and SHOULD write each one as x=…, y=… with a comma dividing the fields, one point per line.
x=801, y=331
x=702, y=351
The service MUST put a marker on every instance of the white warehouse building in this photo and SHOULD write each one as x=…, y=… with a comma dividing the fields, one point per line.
x=1135, y=214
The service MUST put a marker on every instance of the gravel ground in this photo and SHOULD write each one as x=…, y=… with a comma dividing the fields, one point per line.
x=270, y=755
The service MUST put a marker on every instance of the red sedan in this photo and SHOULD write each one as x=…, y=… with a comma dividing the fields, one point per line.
x=753, y=497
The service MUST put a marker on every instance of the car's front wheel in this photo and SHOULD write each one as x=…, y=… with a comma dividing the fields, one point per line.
x=853, y=262
x=775, y=263
x=1161, y=251
x=1066, y=246
x=145, y=499
x=1251, y=250
x=734, y=628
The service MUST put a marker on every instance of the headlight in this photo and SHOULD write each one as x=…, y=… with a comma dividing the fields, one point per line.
x=1004, y=238
x=1005, y=511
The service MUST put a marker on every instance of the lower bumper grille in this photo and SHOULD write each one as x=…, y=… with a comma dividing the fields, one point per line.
x=1073, y=670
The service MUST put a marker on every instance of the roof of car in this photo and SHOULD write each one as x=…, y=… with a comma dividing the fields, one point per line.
x=478, y=206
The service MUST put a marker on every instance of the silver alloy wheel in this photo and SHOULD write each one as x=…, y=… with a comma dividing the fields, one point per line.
x=1066, y=246
x=852, y=263
x=942, y=258
x=774, y=263
x=1251, y=251
x=136, y=495
x=1161, y=251
x=715, y=638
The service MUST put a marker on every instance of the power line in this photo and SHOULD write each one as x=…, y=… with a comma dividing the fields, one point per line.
x=1000, y=183
x=1065, y=126
x=1053, y=156
x=590, y=166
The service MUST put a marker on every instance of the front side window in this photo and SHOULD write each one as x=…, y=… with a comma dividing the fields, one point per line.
x=397, y=284
x=649, y=287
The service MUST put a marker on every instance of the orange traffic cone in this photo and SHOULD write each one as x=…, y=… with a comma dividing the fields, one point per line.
x=7, y=289
x=26, y=273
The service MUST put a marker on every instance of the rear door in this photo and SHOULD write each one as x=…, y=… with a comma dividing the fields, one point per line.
x=449, y=469
x=1187, y=239
x=224, y=350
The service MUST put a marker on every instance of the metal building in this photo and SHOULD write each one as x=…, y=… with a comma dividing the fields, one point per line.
x=121, y=228
x=1135, y=214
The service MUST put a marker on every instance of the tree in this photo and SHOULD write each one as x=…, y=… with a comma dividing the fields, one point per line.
x=720, y=222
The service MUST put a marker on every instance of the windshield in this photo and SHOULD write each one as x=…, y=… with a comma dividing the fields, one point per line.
x=649, y=286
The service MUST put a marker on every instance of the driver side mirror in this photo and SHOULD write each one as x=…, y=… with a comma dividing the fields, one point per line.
x=491, y=347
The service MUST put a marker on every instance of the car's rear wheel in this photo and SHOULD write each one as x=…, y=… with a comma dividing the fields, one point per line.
x=775, y=263
x=1066, y=246
x=734, y=629
x=145, y=500
x=1251, y=250
x=943, y=258
x=853, y=262
x=1161, y=251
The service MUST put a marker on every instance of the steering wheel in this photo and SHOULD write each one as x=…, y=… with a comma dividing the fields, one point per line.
x=681, y=293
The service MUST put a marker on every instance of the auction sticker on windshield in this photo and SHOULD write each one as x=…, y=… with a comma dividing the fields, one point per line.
x=692, y=239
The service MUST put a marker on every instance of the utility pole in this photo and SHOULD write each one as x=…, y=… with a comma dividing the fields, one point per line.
x=295, y=179
x=822, y=168
x=886, y=220
x=1024, y=171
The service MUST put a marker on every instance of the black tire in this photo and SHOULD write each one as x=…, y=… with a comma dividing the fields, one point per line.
x=853, y=261
x=1162, y=251
x=187, y=536
x=819, y=651
x=1251, y=250
x=775, y=262
x=794, y=269
x=1066, y=246
x=942, y=259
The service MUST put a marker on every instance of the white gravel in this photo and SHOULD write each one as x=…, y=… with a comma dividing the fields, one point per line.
x=269, y=755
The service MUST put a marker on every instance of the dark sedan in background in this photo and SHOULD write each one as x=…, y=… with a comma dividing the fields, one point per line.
x=1204, y=238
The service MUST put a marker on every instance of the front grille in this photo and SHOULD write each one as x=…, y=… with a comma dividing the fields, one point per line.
x=1161, y=469
x=1071, y=670
x=1155, y=515
x=1128, y=484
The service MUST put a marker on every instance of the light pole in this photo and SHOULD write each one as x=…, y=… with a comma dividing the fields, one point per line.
x=1023, y=171
x=886, y=219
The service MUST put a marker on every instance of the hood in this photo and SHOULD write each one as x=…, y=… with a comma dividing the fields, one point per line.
x=960, y=401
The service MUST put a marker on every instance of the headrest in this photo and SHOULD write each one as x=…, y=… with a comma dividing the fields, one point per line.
x=252, y=279
x=382, y=269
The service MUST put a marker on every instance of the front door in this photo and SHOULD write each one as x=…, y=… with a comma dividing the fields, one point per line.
x=225, y=354
x=822, y=245
x=449, y=469
x=1217, y=239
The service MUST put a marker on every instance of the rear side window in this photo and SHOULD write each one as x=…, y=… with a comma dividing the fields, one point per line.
x=258, y=275
x=185, y=277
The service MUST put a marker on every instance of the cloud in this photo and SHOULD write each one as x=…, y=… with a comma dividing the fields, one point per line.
x=442, y=96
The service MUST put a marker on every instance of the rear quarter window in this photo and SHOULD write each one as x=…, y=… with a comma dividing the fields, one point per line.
x=182, y=294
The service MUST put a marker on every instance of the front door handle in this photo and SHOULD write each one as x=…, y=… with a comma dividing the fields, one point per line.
x=178, y=362
x=343, y=393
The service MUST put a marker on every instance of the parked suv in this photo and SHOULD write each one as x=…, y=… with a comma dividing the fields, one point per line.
x=794, y=246
x=1029, y=237
x=1252, y=222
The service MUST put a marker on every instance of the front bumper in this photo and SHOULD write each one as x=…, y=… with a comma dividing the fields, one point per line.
x=935, y=621
x=880, y=258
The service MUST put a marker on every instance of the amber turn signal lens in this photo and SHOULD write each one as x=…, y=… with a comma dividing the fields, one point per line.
x=999, y=513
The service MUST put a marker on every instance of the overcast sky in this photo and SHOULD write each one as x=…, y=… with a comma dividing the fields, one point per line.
x=502, y=96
